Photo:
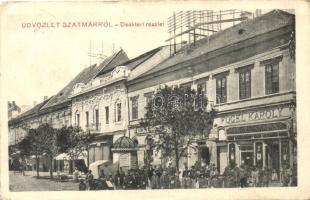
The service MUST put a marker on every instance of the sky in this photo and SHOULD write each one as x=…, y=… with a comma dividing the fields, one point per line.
x=39, y=62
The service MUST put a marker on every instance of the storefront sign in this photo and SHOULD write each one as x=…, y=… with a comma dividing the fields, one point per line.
x=246, y=116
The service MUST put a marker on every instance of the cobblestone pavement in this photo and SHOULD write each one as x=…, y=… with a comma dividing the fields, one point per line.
x=18, y=182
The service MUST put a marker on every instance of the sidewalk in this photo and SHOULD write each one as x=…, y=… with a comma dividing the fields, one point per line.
x=30, y=182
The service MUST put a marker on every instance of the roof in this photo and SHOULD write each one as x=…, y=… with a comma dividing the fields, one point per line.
x=263, y=24
x=31, y=111
x=148, y=61
x=85, y=76
x=133, y=63
x=113, y=61
x=124, y=142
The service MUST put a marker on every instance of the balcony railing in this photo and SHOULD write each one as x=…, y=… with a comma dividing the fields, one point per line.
x=93, y=127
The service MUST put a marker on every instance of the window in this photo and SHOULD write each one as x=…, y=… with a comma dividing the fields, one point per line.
x=97, y=119
x=201, y=88
x=148, y=98
x=221, y=90
x=87, y=119
x=118, y=112
x=201, y=92
x=134, y=107
x=245, y=84
x=272, y=78
x=107, y=114
x=186, y=86
x=77, y=119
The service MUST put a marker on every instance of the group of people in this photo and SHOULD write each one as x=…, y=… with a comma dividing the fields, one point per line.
x=206, y=176
x=252, y=176
x=155, y=177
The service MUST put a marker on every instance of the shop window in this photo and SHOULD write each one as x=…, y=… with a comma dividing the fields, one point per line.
x=232, y=153
x=245, y=84
x=259, y=154
x=285, y=153
x=272, y=78
x=221, y=90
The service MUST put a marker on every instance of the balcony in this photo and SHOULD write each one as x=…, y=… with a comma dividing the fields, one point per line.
x=94, y=127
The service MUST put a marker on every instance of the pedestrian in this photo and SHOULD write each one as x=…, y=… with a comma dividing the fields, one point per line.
x=82, y=185
x=90, y=180
x=185, y=178
x=255, y=177
x=286, y=175
x=110, y=182
x=117, y=180
x=76, y=175
x=192, y=177
x=274, y=176
x=150, y=173
x=266, y=176
x=102, y=175
x=243, y=176
x=155, y=179
x=164, y=180
x=141, y=178
x=122, y=178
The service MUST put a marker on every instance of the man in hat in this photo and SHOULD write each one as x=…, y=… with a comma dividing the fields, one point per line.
x=164, y=180
x=89, y=180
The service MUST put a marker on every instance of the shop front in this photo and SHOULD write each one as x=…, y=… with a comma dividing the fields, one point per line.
x=257, y=138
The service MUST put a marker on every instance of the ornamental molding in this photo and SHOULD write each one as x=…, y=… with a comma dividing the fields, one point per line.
x=119, y=73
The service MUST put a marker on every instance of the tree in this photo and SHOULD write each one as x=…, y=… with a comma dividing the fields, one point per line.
x=39, y=142
x=49, y=142
x=177, y=116
x=32, y=145
x=74, y=142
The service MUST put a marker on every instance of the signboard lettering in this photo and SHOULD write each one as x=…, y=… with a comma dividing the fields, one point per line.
x=246, y=116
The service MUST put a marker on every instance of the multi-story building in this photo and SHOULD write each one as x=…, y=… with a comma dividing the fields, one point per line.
x=56, y=111
x=98, y=106
x=248, y=75
x=101, y=108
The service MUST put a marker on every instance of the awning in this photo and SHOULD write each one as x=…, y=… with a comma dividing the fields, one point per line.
x=65, y=156
x=62, y=156
x=94, y=167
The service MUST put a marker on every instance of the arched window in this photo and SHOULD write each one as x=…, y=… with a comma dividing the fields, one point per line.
x=118, y=110
x=77, y=118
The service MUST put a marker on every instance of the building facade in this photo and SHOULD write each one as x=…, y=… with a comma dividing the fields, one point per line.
x=248, y=75
x=247, y=72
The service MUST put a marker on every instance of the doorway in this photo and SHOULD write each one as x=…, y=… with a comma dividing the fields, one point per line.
x=274, y=157
x=205, y=155
x=247, y=158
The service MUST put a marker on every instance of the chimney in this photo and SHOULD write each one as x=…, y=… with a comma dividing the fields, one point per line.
x=45, y=98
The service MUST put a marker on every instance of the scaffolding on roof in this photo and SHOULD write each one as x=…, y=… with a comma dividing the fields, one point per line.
x=186, y=27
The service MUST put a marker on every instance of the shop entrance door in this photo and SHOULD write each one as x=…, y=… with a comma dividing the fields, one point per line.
x=274, y=157
x=205, y=155
x=247, y=158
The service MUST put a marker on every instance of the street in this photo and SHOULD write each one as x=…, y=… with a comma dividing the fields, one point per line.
x=19, y=183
